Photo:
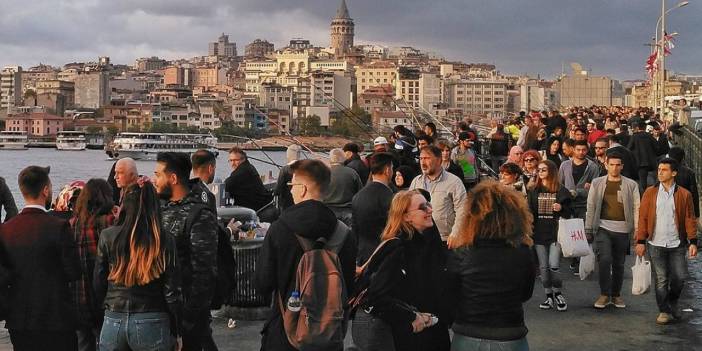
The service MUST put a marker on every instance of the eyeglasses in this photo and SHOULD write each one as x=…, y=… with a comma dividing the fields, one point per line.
x=542, y=170
x=423, y=207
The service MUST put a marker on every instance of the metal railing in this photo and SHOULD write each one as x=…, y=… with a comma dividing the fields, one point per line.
x=691, y=142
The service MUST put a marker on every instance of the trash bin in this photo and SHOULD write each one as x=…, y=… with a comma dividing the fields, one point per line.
x=245, y=253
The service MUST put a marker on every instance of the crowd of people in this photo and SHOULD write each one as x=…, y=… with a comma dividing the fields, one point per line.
x=406, y=243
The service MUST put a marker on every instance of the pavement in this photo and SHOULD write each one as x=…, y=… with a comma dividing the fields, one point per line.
x=581, y=328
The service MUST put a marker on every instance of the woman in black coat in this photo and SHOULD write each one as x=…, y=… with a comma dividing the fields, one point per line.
x=403, y=306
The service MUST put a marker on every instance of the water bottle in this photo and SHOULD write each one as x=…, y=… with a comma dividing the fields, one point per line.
x=294, y=303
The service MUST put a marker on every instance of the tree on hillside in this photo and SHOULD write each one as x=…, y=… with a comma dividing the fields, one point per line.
x=310, y=126
x=353, y=123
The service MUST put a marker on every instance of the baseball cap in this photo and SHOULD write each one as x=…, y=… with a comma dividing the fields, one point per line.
x=380, y=140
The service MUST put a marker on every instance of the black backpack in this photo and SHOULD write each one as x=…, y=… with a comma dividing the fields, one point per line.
x=226, y=265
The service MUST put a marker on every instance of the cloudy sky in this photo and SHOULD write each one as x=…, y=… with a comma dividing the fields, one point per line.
x=519, y=36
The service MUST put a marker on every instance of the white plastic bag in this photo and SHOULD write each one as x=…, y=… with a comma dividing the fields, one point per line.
x=571, y=236
x=641, y=273
x=587, y=264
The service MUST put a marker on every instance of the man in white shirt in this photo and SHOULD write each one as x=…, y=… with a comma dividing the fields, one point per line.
x=667, y=231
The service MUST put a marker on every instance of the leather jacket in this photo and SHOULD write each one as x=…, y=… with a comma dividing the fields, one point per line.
x=160, y=295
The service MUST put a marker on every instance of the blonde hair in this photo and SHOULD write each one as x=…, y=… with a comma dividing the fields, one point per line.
x=495, y=212
x=396, y=223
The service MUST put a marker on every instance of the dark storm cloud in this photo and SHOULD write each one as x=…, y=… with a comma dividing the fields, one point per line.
x=520, y=36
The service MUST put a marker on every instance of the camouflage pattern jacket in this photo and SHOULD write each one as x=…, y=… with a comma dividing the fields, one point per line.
x=197, y=250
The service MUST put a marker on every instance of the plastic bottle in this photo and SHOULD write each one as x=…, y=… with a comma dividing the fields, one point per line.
x=294, y=303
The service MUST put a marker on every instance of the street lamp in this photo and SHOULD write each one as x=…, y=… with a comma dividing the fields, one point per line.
x=661, y=51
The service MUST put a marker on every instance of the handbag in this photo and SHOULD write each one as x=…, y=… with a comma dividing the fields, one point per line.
x=357, y=298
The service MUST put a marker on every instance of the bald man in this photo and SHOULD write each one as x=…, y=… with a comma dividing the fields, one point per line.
x=125, y=174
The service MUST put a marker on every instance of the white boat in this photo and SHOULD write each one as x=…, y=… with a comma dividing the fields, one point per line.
x=68, y=140
x=145, y=146
x=13, y=140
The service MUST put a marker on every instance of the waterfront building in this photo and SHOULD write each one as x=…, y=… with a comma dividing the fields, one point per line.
x=36, y=124
x=10, y=88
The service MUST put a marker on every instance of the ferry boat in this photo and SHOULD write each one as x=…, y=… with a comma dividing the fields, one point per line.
x=145, y=146
x=13, y=140
x=68, y=140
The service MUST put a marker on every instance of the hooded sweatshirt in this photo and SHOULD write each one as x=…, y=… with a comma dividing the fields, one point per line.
x=281, y=252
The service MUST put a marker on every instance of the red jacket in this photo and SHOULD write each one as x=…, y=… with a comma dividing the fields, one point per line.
x=685, y=219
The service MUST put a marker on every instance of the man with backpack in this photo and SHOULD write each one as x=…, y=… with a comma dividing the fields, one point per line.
x=307, y=238
x=187, y=217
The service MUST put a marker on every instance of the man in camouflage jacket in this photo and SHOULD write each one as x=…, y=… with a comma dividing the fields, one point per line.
x=197, y=249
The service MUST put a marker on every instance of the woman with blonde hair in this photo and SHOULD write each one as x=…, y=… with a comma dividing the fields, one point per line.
x=404, y=282
x=137, y=277
x=491, y=270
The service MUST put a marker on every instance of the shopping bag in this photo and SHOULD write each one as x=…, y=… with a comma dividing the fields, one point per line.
x=572, y=238
x=641, y=273
x=587, y=264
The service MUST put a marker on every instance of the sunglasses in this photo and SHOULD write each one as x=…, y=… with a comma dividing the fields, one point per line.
x=529, y=159
x=423, y=207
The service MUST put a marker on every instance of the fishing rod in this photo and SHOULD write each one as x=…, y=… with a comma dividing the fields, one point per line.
x=259, y=146
x=285, y=132
x=349, y=113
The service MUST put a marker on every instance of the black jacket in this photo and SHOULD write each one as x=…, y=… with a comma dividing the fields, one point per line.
x=662, y=146
x=411, y=272
x=197, y=250
x=499, y=146
x=7, y=202
x=359, y=166
x=244, y=185
x=624, y=138
x=282, y=190
x=39, y=250
x=644, y=149
x=160, y=295
x=281, y=252
x=631, y=168
x=492, y=280
x=369, y=210
x=687, y=179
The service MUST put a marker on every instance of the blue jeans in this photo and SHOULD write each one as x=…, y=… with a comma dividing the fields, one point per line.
x=669, y=270
x=466, y=343
x=136, y=331
x=370, y=333
x=549, y=260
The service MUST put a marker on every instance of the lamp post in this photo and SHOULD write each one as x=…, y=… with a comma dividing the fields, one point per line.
x=660, y=86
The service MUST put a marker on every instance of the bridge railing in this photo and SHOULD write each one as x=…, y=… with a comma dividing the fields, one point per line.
x=691, y=142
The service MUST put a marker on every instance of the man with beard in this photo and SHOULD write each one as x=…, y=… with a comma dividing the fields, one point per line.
x=204, y=165
x=187, y=217
x=448, y=195
x=39, y=250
